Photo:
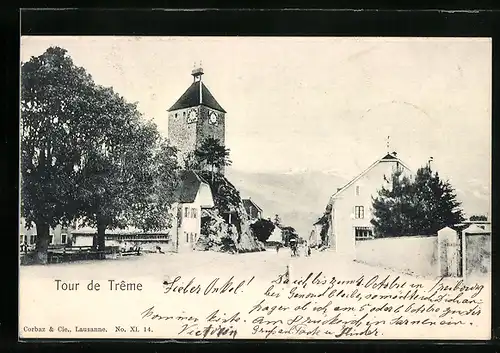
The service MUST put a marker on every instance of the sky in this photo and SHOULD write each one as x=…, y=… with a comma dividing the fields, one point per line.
x=314, y=103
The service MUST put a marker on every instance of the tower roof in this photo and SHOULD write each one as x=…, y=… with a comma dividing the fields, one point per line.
x=191, y=98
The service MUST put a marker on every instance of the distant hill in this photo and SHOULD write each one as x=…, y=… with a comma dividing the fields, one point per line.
x=475, y=197
x=300, y=197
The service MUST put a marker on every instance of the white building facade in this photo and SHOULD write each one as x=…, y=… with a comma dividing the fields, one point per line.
x=195, y=195
x=351, y=205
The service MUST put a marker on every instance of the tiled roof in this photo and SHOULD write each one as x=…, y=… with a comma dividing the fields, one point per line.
x=247, y=203
x=191, y=98
x=387, y=157
x=188, y=187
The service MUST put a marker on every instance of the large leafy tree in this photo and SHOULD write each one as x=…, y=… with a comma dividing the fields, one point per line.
x=88, y=154
x=165, y=173
x=415, y=207
x=127, y=174
x=56, y=97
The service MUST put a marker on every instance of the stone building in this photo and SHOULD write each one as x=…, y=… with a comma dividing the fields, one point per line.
x=253, y=210
x=194, y=117
x=58, y=235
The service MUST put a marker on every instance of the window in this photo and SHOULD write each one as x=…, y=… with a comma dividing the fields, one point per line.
x=359, y=212
x=187, y=237
x=362, y=233
x=186, y=212
x=191, y=237
x=357, y=190
x=51, y=241
x=194, y=212
x=195, y=236
x=64, y=238
x=32, y=239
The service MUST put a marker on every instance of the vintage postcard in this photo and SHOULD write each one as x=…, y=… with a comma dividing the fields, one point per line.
x=274, y=188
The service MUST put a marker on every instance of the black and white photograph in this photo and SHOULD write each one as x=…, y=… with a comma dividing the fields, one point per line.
x=207, y=188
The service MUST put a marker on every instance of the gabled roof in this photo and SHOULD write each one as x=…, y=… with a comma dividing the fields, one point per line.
x=320, y=220
x=248, y=202
x=188, y=187
x=197, y=94
x=387, y=158
x=475, y=228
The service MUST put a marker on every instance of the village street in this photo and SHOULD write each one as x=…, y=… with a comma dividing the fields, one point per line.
x=264, y=265
x=229, y=274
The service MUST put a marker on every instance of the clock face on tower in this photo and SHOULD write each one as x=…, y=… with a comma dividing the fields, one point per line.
x=192, y=116
x=212, y=118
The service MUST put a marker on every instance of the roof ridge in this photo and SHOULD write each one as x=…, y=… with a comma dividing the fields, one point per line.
x=194, y=96
x=357, y=177
x=250, y=200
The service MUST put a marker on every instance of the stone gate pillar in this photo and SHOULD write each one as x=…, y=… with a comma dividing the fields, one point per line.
x=449, y=253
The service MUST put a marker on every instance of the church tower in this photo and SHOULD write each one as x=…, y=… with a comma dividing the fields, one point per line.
x=194, y=117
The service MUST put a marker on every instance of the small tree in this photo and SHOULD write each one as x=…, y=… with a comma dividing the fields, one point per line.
x=277, y=220
x=262, y=229
x=212, y=153
x=289, y=233
x=190, y=162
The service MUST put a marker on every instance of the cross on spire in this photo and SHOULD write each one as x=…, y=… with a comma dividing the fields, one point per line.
x=388, y=144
